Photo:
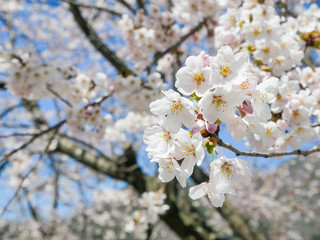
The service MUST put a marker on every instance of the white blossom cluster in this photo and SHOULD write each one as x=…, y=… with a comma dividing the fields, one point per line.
x=147, y=34
x=139, y=93
x=224, y=90
x=272, y=40
x=88, y=122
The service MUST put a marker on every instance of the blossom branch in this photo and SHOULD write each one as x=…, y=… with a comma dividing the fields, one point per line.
x=265, y=155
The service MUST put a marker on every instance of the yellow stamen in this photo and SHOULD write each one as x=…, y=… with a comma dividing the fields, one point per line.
x=176, y=107
x=219, y=102
x=225, y=69
x=197, y=78
x=227, y=170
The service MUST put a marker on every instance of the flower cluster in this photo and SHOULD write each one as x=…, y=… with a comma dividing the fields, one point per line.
x=273, y=41
x=139, y=93
x=224, y=90
x=88, y=122
x=148, y=34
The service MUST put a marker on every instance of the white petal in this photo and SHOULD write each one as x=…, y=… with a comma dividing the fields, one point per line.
x=197, y=192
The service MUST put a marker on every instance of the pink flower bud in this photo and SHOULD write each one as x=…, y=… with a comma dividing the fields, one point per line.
x=246, y=107
x=205, y=60
x=197, y=126
x=211, y=128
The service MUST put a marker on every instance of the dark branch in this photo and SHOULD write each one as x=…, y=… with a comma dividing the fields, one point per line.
x=96, y=41
x=100, y=8
x=265, y=155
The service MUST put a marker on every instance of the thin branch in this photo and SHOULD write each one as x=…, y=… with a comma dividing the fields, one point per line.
x=315, y=125
x=4, y=159
x=7, y=21
x=18, y=135
x=127, y=5
x=100, y=8
x=141, y=5
x=265, y=155
x=9, y=109
x=5, y=209
x=57, y=95
x=99, y=101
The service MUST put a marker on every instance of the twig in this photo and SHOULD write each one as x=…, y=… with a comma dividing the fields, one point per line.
x=315, y=125
x=4, y=159
x=5, y=209
x=18, y=135
x=100, y=8
x=9, y=109
x=99, y=101
x=265, y=155
x=58, y=96
x=127, y=5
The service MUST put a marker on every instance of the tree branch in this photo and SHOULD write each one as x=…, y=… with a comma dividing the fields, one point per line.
x=127, y=5
x=96, y=41
x=265, y=155
x=4, y=159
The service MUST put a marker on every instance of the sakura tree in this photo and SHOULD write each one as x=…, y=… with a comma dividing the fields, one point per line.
x=136, y=119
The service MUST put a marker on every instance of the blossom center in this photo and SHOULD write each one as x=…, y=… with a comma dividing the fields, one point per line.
x=256, y=31
x=176, y=107
x=245, y=84
x=165, y=135
x=197, y=78
x=219, y=102
x=169, y=165
x=225, y=69
x=227, y=170
x=189, y=150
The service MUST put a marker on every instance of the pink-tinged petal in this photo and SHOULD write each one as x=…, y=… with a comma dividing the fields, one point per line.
x=246, y=106
x=205, y=59
x=197, y=126
x=211, y=127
